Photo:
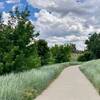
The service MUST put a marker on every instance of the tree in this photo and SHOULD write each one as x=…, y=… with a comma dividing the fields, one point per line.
x=86, y=56
x=43, y=51
x=54, y=50
x=93, y=45
x=51, y=59
x=61, y=53
x=15, y=40
x=73, y=47
x=33, y=60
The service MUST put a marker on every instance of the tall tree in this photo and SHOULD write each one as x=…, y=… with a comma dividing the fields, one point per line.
x=93, y=45
x=61, y=53
x=43, y=51
x=73, y=47
x=15, y=40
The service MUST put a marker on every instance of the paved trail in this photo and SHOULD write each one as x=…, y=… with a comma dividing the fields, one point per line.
x=70, y=85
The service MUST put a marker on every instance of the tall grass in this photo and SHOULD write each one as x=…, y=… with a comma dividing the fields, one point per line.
x=92, y=70
x=27, y=85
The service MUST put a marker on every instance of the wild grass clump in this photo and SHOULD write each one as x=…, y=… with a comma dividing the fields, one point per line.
x=27, y=85
x=92, y=70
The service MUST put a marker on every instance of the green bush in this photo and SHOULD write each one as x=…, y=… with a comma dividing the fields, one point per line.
x=33, y=61
x=85, y=56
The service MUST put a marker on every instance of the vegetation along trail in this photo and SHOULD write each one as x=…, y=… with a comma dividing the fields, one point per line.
x=70, y=85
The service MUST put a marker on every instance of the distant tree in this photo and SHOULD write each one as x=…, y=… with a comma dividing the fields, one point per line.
x=51, y=59
x=86, y=56
x=73, y=47
x=15, y=40
x=93, y=45
x=54, y=50
x=61, y=53
x=43, y=51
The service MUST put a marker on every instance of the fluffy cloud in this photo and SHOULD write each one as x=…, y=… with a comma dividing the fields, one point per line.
x=5, y=17
x=78, y=40
x=49, y=24
x=82, y=8
x=67, y=20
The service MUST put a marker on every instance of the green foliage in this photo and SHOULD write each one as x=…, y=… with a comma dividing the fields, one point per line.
x=93, y=45
x=51, y=59
x=43, y=51
x=20, y=51
x=15, y=51
x=61, y=53
x=34, y=60
x=92, y=70
x=86, y=56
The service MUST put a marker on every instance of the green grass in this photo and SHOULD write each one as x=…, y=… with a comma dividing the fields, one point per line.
x=27, y=85
x=92, y=70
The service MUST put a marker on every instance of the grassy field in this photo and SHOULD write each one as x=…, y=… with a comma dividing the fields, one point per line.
x=92, y=70
x=27, y=85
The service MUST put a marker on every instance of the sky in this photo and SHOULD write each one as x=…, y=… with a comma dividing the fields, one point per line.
x=60, y=21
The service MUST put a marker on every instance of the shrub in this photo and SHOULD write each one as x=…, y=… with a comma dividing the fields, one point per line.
x=85, y=57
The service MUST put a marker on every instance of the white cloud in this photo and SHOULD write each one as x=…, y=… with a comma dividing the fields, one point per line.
x=67, y=19
x=78, y=40
x=5, y=17
x=12, y=1
x=66, y=6
x=49, y=24
x=42, y=3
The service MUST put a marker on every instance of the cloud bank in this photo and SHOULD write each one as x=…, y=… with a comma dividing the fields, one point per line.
x=63, y=21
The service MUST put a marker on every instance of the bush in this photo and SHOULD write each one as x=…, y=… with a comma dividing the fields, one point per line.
x=33, y=61
x=85, y=57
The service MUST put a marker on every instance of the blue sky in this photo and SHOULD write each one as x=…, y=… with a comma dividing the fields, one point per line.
x=61, y=21
x=9, y=4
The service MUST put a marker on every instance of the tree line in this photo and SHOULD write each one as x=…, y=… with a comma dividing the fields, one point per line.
x=20, y=51
x=93, y=48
